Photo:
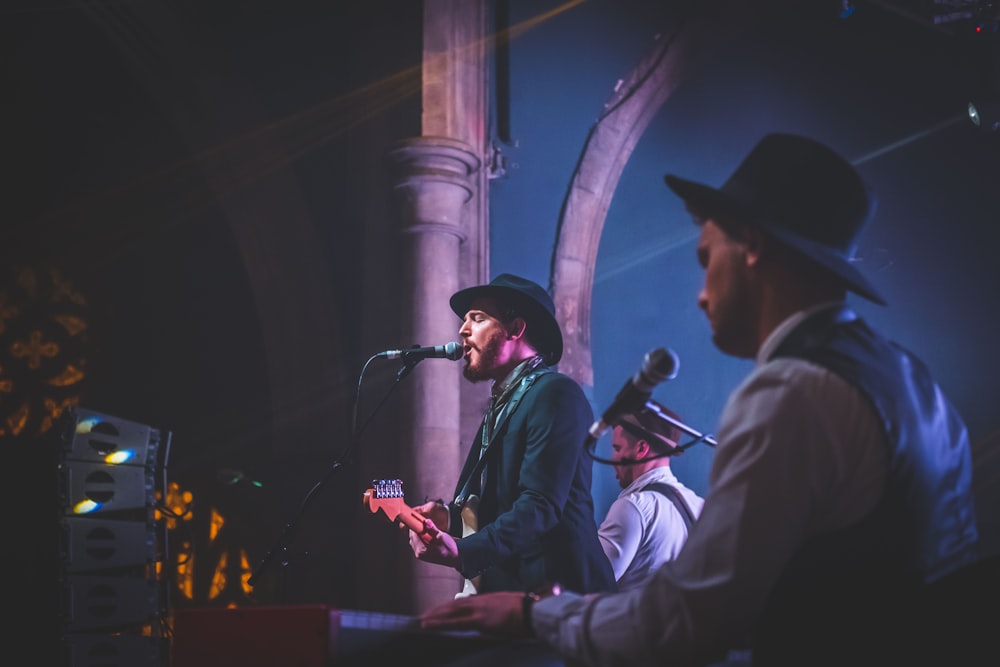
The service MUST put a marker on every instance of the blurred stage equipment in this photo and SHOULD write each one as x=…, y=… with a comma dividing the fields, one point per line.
x=949, y=16
x=112, y=598
x=847, y=9
x=984, y=105
x=985, y=114
x=313, y=635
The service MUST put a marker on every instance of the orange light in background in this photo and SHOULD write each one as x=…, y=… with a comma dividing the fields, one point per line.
x=219, y=578
x=215, y=525
x=179, y=507
x=246, y=571
x=42, y=368
x=184, y=572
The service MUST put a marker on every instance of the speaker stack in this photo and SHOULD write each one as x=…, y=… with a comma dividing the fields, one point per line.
x=113, y=603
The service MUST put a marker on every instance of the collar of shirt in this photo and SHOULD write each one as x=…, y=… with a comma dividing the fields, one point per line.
x=501, y=388
x=781, y=331
x=658, y=474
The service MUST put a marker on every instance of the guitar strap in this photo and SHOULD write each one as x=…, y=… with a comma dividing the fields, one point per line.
x=522, y=387
x=676, y=498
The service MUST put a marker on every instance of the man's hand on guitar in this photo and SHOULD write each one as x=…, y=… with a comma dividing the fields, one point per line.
x=413, y=519
x=435, y=546
x=428, y=542
x=436, y=511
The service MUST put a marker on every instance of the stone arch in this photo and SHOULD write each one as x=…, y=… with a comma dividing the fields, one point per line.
x=627, y=113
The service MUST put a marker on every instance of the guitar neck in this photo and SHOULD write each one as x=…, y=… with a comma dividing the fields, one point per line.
x=411, y=519
x=377, y=498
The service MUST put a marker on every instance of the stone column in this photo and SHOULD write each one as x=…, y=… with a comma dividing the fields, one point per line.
x=435, y=178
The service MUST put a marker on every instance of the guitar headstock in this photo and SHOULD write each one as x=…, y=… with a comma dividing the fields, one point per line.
x=387, y=495
x=384, y=489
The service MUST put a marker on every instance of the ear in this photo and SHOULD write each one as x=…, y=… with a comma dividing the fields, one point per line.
x=642, y=449
x=755, y=242
x=516, y=327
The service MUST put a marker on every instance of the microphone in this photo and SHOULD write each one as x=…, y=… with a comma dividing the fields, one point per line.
x=450, y=350
x=658, y=365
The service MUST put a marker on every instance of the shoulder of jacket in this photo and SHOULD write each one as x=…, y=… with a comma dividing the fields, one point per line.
x=547, y=376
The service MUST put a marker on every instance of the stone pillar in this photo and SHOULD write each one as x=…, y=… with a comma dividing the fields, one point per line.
x=435, y=178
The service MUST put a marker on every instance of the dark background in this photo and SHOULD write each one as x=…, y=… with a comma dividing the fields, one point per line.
x=212, y=177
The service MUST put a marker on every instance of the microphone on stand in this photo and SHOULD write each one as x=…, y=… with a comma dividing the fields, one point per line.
x=707, y=438
x=450, y=350
x=658, y=365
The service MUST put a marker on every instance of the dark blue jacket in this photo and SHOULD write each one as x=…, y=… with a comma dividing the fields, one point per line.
x=536, y=521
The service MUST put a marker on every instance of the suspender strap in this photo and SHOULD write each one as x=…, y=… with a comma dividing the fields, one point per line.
x=675, y=497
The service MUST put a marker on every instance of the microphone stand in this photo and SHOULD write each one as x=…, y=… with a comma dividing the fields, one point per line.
x=280, y=546
x=698, y=437
x=590, y=442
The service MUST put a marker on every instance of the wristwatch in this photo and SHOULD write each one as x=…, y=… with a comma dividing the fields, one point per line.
x=528, y=602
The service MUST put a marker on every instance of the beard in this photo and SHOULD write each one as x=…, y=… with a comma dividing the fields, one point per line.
x=486, y=361
x=733, y=322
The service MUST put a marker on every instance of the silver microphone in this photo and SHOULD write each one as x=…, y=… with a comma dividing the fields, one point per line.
x=658, y=365
x=450, y=350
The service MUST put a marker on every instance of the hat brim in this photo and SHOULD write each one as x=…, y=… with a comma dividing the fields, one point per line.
x=707, y=201
x=549, y=334
x=703, y=199
x=830, y=259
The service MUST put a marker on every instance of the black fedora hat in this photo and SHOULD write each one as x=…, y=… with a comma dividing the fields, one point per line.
x=531, y=301
x=802, y=193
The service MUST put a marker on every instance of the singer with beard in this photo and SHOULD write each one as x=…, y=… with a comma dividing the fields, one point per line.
x=522, y=516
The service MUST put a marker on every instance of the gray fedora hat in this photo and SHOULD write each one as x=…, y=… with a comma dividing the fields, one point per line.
x=531, y=302
x=800, y=192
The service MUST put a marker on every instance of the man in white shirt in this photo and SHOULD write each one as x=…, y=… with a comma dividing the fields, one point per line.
x=649, y=521
x=840, y=519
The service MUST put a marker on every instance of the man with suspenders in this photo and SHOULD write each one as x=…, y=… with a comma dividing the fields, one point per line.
x=649, y=521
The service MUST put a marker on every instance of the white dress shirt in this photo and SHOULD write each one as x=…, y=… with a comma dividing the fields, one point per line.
x=644, y=529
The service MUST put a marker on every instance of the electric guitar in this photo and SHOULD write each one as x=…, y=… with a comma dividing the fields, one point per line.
x=387, y=495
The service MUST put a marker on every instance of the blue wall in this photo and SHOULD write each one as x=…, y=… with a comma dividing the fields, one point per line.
x=886, y=92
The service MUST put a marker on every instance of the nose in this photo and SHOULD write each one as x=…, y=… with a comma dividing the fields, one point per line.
x=703, y=300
